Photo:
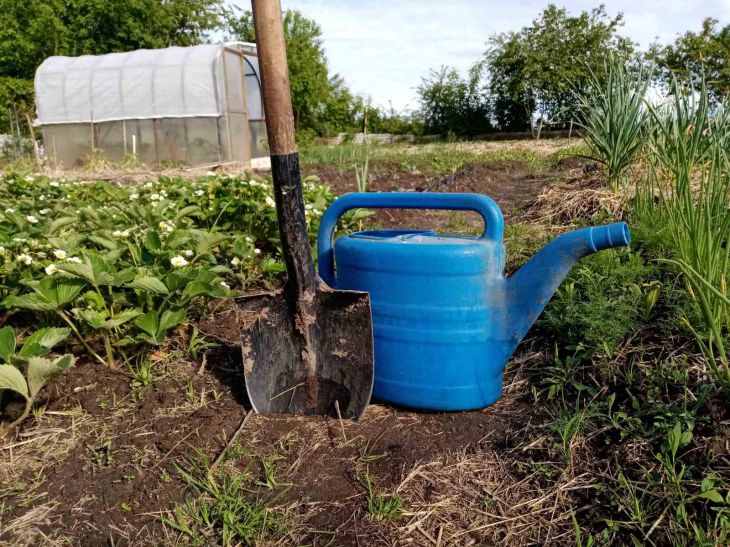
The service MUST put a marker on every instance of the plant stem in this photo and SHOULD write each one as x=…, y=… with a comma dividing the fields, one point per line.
x=80, y=338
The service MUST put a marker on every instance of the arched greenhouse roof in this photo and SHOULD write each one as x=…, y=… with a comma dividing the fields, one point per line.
x=175, y=82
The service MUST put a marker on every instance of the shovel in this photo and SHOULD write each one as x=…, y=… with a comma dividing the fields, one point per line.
x=310, y=348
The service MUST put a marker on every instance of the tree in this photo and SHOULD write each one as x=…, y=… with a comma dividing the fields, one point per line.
x=695, y=53
x=321, y=103
x=32, y=30
x=536, y=72
x=452, y=104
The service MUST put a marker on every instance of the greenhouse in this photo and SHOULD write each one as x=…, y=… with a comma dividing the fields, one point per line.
x=180, y=105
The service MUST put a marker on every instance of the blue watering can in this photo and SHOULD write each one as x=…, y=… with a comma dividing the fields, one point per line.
x=445, y=317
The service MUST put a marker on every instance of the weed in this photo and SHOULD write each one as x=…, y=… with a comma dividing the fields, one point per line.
x=222, y=509
x=381, y=506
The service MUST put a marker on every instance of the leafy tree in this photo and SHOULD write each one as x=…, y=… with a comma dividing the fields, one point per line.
x=695, y=53
x=33, y=30
x=536, y=72
x=452, y=104
x=321, y=103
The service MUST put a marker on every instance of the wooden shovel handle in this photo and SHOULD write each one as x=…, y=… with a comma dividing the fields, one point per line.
x=274, y=76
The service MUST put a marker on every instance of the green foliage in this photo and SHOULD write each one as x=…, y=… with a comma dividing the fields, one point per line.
x=686, y=193
x=321, y=102
x=27, y=370
x=535, y=71
x=694, y=54
x=615, y=118
x=597, y=306
x=32, y=30
x=452, y=104
x=123, y=266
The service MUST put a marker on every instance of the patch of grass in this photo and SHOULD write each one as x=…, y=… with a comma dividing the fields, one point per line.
x=440, y=158
x=381, y=506
x=222, y=508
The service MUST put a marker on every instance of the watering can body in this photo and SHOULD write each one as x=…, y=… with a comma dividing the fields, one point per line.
x=445, y=318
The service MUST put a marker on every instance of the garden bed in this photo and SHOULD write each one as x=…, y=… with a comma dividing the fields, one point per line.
x=163, y=448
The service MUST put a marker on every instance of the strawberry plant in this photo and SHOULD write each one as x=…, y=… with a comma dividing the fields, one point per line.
x=120, y=266
x=26, y=370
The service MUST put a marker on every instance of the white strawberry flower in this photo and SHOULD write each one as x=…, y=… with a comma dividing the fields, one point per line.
x=25, y=259
x=74, y=259
x=178, y=261
x=188, y=253
x=133, y=196
x=199, y=192
x=269, y=201
x=224, y=285
x=31, y=219
x=53, y=183
x=60, y=254
x=9, y=210
x=235, y=261
x=257, y=251
x=44, y=211
x=51, y=269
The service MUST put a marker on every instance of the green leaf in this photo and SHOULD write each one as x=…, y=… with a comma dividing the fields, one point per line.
x=190, y=210
x=121, y=318
x=171, y=319
x=713, y=495
x=41, y=370
x=61, y=222
x=148, y=322
x=7, y=343
x=92, y=268
x=195, y=288
x=105, y=242
x=67, y=291
x=208, y=240
x=152, y=241
x=41, y=341
x=95, y=319
x=29, y=302
x=177, y=239
x=11, y=378
x=150, y=284
x=124, y=276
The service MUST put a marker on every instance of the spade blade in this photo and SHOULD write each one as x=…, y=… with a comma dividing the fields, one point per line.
x=340, y=337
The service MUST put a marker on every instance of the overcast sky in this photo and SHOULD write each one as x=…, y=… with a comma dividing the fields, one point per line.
x=384, y=47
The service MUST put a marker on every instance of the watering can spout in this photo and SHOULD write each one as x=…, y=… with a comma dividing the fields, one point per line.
x=531, y=287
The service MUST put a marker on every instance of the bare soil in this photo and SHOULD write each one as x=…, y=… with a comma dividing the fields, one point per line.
x=513, y=185
x=100, y=465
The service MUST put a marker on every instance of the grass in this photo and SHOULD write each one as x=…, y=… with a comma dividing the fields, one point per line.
x=439, y=158
x=223, y=509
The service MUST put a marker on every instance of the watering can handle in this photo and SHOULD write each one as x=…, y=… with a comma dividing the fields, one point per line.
x=486, y=207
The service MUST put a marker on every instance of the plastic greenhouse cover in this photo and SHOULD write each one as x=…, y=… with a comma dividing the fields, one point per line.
x=174, y=82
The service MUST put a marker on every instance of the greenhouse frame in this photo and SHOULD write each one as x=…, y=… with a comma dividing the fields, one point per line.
x=180, y=105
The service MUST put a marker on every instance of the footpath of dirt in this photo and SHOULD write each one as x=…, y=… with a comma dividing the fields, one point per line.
x=512, y=185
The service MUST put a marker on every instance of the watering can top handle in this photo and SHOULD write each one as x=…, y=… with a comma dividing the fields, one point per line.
x=486, y=207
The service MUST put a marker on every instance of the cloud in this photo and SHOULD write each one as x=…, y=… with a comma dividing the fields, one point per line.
x=384, y=48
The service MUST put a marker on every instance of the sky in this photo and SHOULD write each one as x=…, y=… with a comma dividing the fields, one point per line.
x=383, y=48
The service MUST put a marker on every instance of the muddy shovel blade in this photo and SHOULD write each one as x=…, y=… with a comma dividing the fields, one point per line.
x=341, y=339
